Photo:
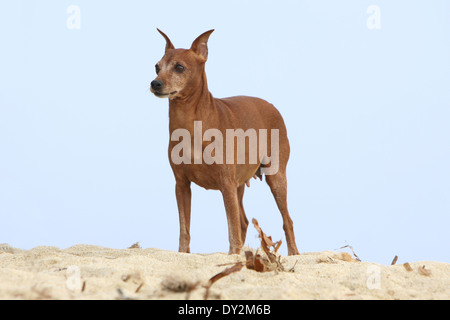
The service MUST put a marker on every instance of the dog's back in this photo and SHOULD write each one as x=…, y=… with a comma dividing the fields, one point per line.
x=253, y=110
x=250, y=112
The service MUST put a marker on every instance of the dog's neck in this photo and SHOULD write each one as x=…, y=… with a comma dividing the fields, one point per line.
x=199, y=105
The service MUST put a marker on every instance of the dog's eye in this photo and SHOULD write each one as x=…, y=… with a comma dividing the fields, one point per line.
x=157, y=69
x=179, y=68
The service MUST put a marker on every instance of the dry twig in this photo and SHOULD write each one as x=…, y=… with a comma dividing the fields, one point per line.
x=135, y=246
x=353, y=251
x=394, y=261
x=424, y=272
x=407, y=266
x=235, y=268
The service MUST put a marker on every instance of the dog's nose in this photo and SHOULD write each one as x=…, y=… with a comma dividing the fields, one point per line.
x=156, y=84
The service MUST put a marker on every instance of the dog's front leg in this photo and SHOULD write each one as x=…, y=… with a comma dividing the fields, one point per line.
x=230, y=198
x=183, y=193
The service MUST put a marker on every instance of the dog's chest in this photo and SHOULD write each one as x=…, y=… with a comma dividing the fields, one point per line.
x=206, y=176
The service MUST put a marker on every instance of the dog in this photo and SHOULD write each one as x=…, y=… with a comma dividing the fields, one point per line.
x=182, y=79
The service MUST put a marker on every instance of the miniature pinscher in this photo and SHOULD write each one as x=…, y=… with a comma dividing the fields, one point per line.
x=193, y=110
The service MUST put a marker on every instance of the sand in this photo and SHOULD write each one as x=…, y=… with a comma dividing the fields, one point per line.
x=93, y=272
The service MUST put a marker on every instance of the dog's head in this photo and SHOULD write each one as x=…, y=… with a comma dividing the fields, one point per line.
x=180, y=71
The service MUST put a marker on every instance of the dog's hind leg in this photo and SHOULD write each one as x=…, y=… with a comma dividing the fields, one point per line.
x=278, y=186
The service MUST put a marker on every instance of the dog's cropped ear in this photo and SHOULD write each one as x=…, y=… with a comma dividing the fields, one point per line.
x=169, y=44
x=200, y=46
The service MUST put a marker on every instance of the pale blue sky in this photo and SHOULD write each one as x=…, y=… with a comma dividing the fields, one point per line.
x=83, y=143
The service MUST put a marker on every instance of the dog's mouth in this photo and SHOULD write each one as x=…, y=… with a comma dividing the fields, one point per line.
x=163, y=95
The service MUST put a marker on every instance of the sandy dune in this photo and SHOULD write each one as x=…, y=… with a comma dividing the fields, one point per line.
x=93, y=272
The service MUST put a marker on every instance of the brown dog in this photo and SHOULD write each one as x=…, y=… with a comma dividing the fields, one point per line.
x=193, y=111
